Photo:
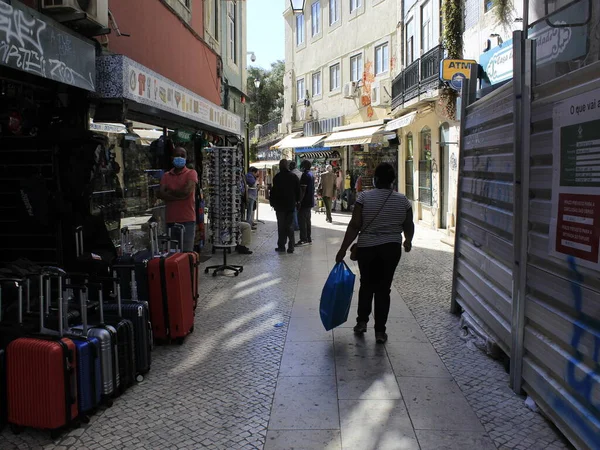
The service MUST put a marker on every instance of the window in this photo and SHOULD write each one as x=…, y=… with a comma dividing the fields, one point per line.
x=410, y=41
x=300, y=29
x=334, y=14
x=316, y=84
x=216, y=18
x=232, y=31
x=300, y=90
x=334, y=77
x=409, y=167
x=382, y=59
x=187, y=3
x=488, y=5
x=356, y=68
x=410, y=151
x=355, y=4
x=316, y=17
x=425, y=196
x=426, y=27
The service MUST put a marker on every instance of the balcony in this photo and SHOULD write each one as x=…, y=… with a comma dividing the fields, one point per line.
x=268, y=128
x=421, y=76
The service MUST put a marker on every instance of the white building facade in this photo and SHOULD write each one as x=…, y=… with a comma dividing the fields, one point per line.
x=341, y=58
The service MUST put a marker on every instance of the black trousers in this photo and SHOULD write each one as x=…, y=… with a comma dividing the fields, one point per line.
x=377, y=266
x=305, y=223
x=285, y=229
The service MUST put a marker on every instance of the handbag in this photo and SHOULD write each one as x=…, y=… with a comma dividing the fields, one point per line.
x=354, y=248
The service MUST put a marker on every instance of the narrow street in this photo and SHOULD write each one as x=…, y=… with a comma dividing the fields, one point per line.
x=243, y=380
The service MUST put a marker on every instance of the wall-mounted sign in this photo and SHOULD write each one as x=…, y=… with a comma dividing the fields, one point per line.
x=553, y=44
x=34, y=43
x=119, y=76
x=575, y=220
x=451, y=69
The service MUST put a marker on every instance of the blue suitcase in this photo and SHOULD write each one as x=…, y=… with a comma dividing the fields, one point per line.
x=89, y=376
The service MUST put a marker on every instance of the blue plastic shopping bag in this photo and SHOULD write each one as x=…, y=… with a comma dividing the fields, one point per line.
x=337, y=296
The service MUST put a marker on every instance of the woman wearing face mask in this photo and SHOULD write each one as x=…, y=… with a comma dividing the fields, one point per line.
x=177, y=188
x=380, y=217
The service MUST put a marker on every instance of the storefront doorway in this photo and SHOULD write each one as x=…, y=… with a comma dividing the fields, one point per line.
x=444, y=173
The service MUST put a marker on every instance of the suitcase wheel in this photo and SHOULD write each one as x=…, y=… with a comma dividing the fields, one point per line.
x=16, y=429
x=192, y=329
x=108, y=402
x=237, y=273
x=85, y=418
x=139, y=378
x=179, y=341
x=215, y=273
x=205, y=270
x=55, y=434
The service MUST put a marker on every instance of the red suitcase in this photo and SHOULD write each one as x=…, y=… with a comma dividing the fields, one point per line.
x=171, y=297
x=41, y=379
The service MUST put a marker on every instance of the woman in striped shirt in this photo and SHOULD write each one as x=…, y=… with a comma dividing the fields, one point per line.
x=380, y=217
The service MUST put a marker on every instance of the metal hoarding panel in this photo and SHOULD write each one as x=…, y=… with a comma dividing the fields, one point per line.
x=483, y=271
x=561, y=366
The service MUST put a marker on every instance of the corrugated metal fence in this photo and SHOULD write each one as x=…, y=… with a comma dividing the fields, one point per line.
x=542, y=311
x=484, y=247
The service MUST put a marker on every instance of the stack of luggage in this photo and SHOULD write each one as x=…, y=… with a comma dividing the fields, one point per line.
x=72, y=342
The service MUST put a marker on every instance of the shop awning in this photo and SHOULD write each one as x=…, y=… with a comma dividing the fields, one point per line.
x=358, y=136
x=285, y=142
x=150, y=94
x=264, y=164
x=316, y=153
x=401, y=122
x=307, y=141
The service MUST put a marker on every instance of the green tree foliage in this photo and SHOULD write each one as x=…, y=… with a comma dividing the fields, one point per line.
x=266, y=102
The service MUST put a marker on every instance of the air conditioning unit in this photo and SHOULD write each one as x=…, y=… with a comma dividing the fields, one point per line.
x=280, y=128
x=351, y=89
x=381, y=93
x=96, y=11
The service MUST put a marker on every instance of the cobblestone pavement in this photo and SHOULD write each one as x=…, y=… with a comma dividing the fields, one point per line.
x=241, y=382
x=425, y=283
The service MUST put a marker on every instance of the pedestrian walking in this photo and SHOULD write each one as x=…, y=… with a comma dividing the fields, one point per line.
x=347, y=195
x=252, y=198
x=307, y=203
x=177, y=189
x=380, y=217
x=284, y=198
x=296, y=172
x=327, y=190
x=339, y=184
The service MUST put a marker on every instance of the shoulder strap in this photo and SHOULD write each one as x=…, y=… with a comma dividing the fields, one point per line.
x=378, y=212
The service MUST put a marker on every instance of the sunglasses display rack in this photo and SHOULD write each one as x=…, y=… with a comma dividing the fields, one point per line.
x=222, y=166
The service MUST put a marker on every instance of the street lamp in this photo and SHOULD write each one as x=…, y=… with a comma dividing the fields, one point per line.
x=256, y=83
x=297, y=6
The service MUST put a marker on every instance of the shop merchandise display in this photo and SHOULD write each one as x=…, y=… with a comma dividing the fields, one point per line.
x=223, y=166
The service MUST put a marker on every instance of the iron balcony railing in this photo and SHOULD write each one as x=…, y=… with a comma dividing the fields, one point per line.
x=269, y=127
x=419, y=77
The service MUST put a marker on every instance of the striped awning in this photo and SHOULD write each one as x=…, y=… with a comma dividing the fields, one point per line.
x=319, y=154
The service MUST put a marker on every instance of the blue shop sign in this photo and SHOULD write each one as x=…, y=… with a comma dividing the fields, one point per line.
x=554, y=43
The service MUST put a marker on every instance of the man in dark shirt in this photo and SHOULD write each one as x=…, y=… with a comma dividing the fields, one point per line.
x=307, y=202
x=284, y=198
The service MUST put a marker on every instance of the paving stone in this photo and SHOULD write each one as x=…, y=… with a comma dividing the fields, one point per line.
x=303, y=439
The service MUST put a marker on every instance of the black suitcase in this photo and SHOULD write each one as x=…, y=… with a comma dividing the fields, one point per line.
x=125, y=343
x=138, y=312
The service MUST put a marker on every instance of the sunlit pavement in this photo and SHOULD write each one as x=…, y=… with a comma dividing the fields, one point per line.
x=260, y=371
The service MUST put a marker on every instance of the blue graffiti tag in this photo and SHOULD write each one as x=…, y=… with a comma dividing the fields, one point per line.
x=584, y=386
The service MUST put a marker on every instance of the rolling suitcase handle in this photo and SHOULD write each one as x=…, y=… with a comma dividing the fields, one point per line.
x=181, y=229
x=19, y=282
x=154, y=244
x=125, y=248
x=132, y=284
x=78, y=241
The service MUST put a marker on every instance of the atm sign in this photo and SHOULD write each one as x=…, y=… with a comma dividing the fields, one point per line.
x=453, y=67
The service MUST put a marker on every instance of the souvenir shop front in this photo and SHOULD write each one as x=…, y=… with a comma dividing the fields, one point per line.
x=364, y=159
x=139, y=118
x=320, y=158
x=43, y=109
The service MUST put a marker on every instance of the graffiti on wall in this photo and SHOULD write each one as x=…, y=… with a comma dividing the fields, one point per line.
x=368, y=80
x=29, y=44
x=585, y=384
